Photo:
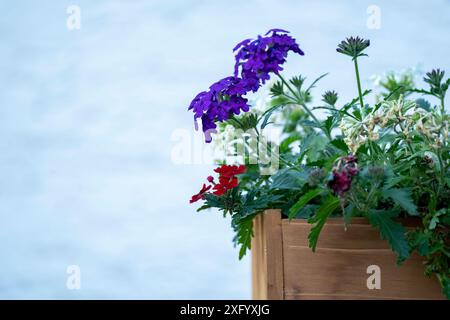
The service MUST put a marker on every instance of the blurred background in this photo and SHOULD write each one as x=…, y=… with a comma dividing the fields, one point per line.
x=87, y=122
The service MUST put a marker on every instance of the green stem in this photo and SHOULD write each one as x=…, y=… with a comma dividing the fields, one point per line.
x=442, y=107
x=256, y=129
x=372, y=151
x=358, y=81
x=300, y=103
x=442, y=170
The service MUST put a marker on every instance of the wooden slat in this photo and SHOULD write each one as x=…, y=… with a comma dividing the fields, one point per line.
x=357, y=236
x=337, y=270
x=267, y=257
x=284, y=267
x=259, y=266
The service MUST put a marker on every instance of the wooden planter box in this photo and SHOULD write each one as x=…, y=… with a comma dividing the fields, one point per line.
x=284, y=267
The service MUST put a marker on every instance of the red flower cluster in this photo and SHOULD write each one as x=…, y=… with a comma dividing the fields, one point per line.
x=343, y=174
x=227, y=181
x=227, y=178
x=200, y=195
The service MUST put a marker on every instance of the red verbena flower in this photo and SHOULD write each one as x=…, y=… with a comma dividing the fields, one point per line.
x=229, y=171
x=227, y=181
x=227, y=178
x=201, y=194
x=219, y=189
x=224, y=185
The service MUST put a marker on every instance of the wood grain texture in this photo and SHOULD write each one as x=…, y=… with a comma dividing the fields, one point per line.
x=338, y=268
x=259, y=266
x=267, y=257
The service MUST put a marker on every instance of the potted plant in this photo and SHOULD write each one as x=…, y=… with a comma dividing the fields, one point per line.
x=365, y=185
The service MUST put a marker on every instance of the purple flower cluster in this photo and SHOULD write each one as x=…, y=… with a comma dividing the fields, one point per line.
x=255, y=59
x=223, y=99
x=258, y=58
x=343, y=174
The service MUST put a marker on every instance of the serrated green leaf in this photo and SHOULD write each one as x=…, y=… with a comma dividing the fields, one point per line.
x=391, y=231
x=421, y=242
x=289, y=179
x=424, y=104
x=214, y=201
x=328, y=123
x=254, y=202
x=319, y=220
x=307, y=211
x=357, y=114
x=277, y=89
x=303, y=201
x=340, y=144
x=403, y=198
x=244, y=234
x=203, y=207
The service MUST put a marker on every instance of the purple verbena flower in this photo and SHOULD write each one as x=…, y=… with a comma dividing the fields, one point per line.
x=341, y=182
x=256, y=59
x=223, y=99
x=343, y=174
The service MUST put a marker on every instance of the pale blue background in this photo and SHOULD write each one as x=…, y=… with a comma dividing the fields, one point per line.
x=86, y=119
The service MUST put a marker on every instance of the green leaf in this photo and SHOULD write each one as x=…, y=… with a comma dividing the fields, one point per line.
x=280, y=101
x=445, y=283
x=307, y=211
x=309, y=123
x=203, y=207
x=214, y=201
x=328, y=124
x=285, y=144
x=312, y=146
x=252, y=204
x=392, y=181
x=348, y=214
x=403, y=198
x=391, y=231
x=266, y=116
x=320, y=218
x=303, y=201
x=315, y=81
x=357, y=114
x=277, y=89
x=340, y=144
x=435, y=219
x=424, y=104
x=421, y=242
x=244, y=234
x=289, y=179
